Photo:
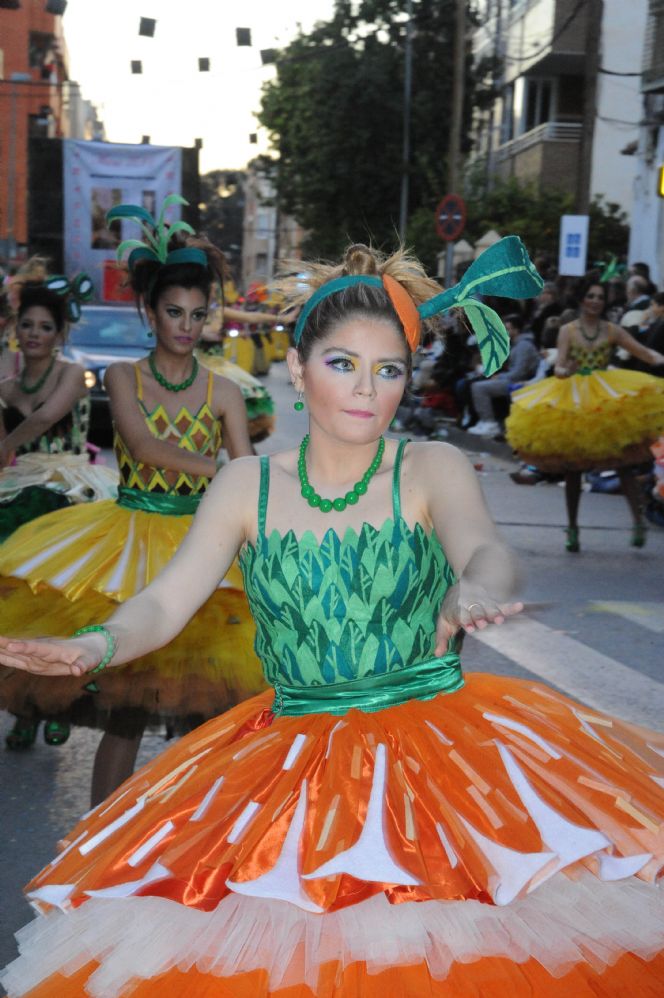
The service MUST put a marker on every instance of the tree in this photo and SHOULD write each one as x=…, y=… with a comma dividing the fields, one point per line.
x=531, y=213
x=222, y=211
x=334, y=114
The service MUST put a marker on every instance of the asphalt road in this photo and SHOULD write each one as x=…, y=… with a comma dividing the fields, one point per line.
x=593, y=628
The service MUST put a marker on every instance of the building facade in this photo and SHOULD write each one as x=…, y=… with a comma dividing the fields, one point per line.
x=563, y=111
x=647, y=234
x=268, y=234
x=37, y=100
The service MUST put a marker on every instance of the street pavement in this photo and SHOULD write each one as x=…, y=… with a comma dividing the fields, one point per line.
x=593, y=628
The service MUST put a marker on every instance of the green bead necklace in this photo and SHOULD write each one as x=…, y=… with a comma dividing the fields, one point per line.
x=31, y=389
x=169, y=385
x=339, y=504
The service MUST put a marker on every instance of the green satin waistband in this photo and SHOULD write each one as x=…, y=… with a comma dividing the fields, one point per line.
x=416, y=682
x=586, y=370
x=158, y=502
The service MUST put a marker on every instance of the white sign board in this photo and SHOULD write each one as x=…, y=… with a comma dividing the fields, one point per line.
x=100, y=175
x=573, y=250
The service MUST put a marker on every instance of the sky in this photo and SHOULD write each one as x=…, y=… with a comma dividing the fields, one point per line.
x=171, y=101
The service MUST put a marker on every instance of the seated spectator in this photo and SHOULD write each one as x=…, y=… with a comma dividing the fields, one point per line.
x=651, y=332
x=546, y=305
x=616, y=300
x=523, y=363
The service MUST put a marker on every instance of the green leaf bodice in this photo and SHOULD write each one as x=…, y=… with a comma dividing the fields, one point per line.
x=348, y=607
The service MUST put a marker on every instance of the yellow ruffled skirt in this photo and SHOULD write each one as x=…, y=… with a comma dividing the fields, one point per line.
x=605, y=419
x=72, y=568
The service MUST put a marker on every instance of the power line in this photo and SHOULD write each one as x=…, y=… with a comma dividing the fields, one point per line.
x=614, y=72
x=556, y=35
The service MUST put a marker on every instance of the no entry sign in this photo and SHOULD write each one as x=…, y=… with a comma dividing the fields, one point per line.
x=451, y=217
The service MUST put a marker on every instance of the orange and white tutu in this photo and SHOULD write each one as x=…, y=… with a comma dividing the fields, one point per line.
x=498, y=840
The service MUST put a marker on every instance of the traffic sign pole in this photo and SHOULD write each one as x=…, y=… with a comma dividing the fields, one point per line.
x=450, y=223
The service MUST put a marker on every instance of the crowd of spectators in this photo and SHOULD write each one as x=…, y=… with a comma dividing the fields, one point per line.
x=448, y=382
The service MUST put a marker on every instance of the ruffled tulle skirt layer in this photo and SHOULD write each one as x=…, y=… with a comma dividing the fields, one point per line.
x=498, y=840
x=606, y=419
x=71, y=568
x=41, y=483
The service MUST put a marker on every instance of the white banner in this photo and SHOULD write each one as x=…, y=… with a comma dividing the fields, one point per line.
x=573, y=249
x=99, y=175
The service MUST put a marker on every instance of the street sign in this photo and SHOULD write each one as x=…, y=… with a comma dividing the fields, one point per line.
x=451, y=217
x=573, y=246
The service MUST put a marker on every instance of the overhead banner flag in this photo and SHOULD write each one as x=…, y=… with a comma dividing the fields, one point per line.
x=99, y=175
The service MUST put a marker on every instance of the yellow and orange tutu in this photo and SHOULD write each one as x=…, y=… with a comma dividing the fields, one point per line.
x=498, y=840
x=605, y=419
x=73, y=567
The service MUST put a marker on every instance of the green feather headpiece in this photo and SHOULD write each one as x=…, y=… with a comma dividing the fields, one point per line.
x=157, y=235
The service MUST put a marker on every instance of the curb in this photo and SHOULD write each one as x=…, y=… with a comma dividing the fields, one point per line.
x=475, y=444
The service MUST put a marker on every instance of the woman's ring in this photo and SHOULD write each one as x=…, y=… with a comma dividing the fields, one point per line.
x=469, y=608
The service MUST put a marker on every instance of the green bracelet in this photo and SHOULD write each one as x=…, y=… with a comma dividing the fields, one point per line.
x=111, y=643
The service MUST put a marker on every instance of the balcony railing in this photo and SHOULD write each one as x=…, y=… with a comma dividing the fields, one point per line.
x=549, y=131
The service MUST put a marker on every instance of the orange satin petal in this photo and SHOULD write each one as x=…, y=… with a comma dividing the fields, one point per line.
x=489, y=978
x=443, y=769
x=406, y=309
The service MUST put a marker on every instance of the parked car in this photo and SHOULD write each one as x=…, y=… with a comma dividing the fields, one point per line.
x=104, y=334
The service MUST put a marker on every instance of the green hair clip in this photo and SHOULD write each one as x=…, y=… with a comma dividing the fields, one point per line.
x=76, y=292
x=504, y=270
x=157, y=235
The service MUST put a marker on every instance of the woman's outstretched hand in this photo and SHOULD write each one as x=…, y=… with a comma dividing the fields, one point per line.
x=50, y=657
x=470, y=607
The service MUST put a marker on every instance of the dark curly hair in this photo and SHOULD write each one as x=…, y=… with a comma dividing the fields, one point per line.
x=37, y=294
x=149, y=279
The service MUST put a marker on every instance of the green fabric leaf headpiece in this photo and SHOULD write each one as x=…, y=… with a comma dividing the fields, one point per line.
x=504, y=270
x=76, y=292
x=157, y=234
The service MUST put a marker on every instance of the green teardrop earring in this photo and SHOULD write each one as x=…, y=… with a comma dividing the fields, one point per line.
x=299, y=405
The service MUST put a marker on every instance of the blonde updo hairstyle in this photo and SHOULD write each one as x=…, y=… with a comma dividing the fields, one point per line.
x=358, y=300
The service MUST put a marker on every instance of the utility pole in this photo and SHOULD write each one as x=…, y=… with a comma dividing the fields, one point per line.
x=594, y=11
x=456, y=123
x=407, y=94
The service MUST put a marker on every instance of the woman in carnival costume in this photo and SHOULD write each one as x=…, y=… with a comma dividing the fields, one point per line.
x=589, y=416
x=374, y=825
x=43, y=434
x=72, y=567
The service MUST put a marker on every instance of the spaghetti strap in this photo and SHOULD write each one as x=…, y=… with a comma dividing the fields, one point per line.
x=263, y=491
x=139, y=383
x=210, y=388
x=396, y=479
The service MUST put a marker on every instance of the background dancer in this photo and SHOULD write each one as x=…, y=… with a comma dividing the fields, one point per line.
x=71, y=567
x=43, y=434
x=590, y=416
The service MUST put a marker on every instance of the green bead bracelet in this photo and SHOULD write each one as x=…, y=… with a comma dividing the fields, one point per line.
x=111, y=643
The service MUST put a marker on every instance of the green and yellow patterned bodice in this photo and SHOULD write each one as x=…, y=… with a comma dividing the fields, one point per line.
x=198, y=433
x=350, y=616
x=590, y=358
x=68, y=436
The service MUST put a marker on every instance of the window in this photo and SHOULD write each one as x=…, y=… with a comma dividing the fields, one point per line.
x=537, y=104
x=261, y=264
x=570, y=98
x=507, y=121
